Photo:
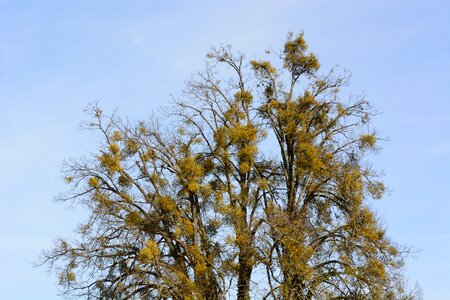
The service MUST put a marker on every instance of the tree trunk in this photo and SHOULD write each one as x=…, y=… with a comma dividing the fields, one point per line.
x=244, y=275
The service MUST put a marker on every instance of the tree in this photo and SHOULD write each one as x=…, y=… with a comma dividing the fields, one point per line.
x=260, y=175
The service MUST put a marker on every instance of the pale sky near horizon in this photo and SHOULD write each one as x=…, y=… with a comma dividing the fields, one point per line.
x=57, y=56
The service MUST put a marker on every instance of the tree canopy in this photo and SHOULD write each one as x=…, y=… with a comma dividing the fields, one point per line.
x=256, y=186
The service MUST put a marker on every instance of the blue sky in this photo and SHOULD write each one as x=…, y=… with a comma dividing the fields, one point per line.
x=57, y=56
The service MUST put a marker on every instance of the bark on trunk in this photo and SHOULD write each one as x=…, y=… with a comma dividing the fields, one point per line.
x=244, y=275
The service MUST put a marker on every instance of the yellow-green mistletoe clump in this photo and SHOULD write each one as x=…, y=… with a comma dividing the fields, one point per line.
x=149, y=253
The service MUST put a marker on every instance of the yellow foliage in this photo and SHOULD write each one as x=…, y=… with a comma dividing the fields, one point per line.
x=375, y=268
x=149, y=253
x=243, y=133
x=193, y=187
x=208, y=165
x=368, y=140
x=116, y=136
x=146, y=156
x=308, y=157
x=230, y=114
x=297, y=257
x=187, y=227
x=244, y=97
x=244, y=167
x=263, y=184
x=102, y=200
x=295, y=44
x=187, y=284
x=133, y=219
x=109, y=162
x=132, y=145
x=351, y=186
x=206, y=190
x=295, y=58
x=247, y=153
x=230, y=240
x=190, y=174
x=64, y=245
x=123, y=181
x=142, y=129
x=341, y=109
x=307, y=99
x=263, y=65
x=230, y=265
x=93, y=182
x=115, y=149
x=167, y=204
x=376, y=189
x=201, y=268
x=242, y=240
x=126, y=197
x=190, y=168
x=215, y=223
x=220, y=137
x=70, y=276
